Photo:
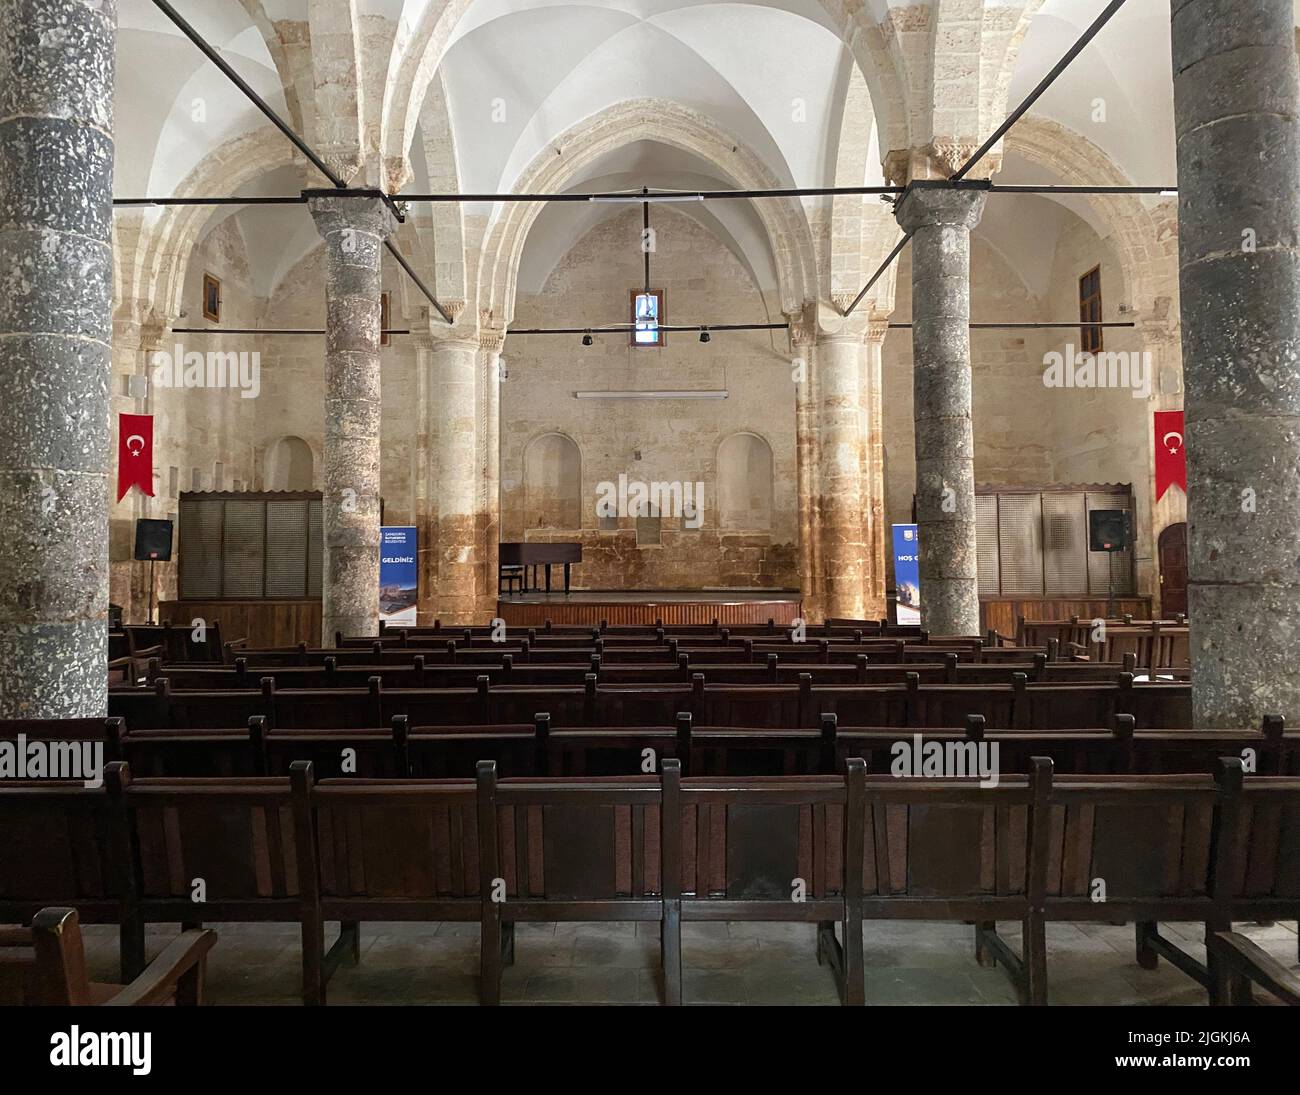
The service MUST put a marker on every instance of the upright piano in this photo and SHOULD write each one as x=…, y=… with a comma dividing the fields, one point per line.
x=532, y=555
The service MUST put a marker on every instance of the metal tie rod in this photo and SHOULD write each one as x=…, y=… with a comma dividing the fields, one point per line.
x=1043, y=84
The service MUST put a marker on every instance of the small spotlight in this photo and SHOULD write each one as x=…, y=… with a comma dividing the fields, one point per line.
x=704, y=335
x=587, y=339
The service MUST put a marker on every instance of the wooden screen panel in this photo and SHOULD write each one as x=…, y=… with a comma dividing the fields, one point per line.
x=762, y=851
x=578, y=853
x=944, y=848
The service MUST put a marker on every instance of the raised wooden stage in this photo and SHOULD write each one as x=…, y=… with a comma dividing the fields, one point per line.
x=672, y=606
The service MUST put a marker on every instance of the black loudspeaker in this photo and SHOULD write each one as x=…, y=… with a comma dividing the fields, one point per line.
x=153, y=540
x=1109, y=530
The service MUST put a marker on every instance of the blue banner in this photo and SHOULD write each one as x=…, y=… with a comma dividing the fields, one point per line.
x=907, y=575
x=398, y=574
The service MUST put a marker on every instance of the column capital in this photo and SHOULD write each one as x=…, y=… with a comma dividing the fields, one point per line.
x=490, y=339
x=937, y=203
x=355, y=210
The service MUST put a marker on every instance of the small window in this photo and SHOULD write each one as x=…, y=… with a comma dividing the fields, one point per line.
x=384, y=315
x=648, y=532
x=211, y=298
x=196, y=479
x=173, y=481
x=647, y=316
x=1090, y=311
x=218, y=476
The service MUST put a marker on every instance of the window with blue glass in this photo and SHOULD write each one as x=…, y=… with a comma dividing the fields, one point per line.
x=647, y=317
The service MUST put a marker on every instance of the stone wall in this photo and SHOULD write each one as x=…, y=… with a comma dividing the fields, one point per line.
x=658, y=440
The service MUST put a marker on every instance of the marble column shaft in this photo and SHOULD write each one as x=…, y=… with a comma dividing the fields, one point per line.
x=489, y=515
x=1237, y=122
x=354, y=230
x=56, y=270
x=941, y=220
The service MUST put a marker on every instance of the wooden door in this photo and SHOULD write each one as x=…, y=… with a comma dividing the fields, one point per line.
x=1172, y=552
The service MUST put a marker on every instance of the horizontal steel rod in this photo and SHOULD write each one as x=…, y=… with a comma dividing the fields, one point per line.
x=633, y=199
x=265, y=331
x=250, y=200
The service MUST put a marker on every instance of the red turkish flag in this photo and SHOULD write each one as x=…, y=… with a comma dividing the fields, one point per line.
x=1171, y=453
x=134, y=453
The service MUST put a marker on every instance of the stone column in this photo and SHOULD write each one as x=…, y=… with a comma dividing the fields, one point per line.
x=1236, y=105
x=839, y=487
x=455, y=363
x=489, y=501
x=875, y=605
x=425, y=480
x=354, y=229
x=56, y=269
x=941, y=220
x=802, y=343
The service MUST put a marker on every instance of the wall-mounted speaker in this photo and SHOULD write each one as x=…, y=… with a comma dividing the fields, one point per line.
x=1109, y=530
x=153, y=540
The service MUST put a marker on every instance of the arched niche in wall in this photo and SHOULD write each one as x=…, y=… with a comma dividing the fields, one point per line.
x=745, y=483
x=290, y=465
x=552, y=483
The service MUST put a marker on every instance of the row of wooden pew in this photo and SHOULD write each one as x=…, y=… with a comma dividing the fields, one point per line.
x=539, y=749
x=838, y=850
x=942, y=669
x=1017, y=704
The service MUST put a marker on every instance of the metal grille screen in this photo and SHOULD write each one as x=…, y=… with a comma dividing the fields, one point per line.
x=249, y=547
x=1035, y=544
x=1020, y=540
x=243, y=549
x=200, y=540
x=286, y=549
x=986, y=537
x=1065, y=545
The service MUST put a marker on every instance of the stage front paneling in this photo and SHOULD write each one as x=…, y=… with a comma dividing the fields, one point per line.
x=635, y=609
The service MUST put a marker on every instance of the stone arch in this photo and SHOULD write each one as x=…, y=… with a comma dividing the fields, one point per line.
x=552, y=482
x=1138, y=233
x=290, y=464
x=745, y=482
x=416, y=59
x=671, y=124
x=163, y=252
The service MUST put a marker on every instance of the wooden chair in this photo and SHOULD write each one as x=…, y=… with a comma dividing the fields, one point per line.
x=379, y=850
x=949, y=849
x=45, y=965
x=60, y=846
x=581, y=849
x=1245, y=963
x=768, y=850
x=204, y=850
